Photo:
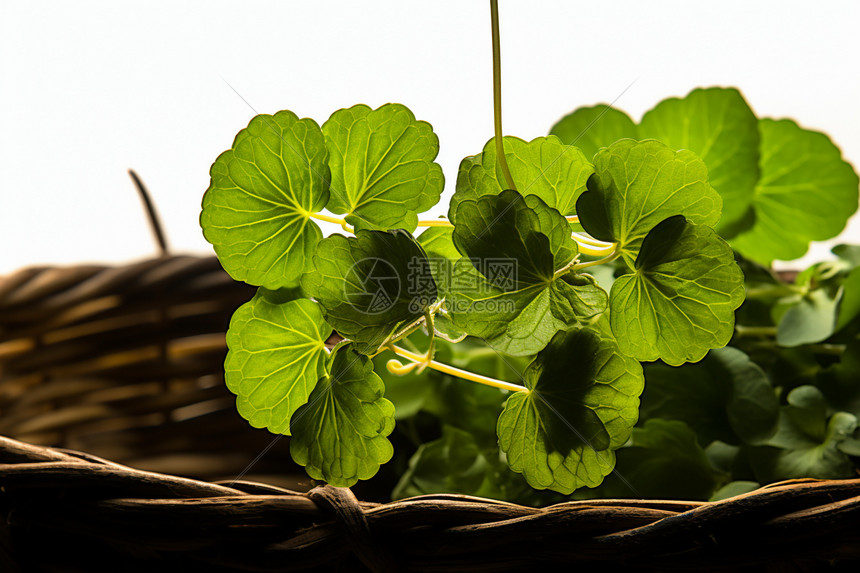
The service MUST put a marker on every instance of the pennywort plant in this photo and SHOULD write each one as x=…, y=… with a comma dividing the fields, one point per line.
x=654, y=209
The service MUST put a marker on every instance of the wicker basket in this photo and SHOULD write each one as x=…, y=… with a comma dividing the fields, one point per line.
x=125, y=363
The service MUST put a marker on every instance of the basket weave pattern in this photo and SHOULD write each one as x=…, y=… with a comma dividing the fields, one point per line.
x=96, y=515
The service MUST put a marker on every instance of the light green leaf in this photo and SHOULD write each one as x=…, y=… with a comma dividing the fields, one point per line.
x=370, y=285
x=806, y=193
x=509, y=288
x=582, y=403
x=277, y=354
x=681, y=299
x=382, y=169
x=724, y=397
x=718, y=126
x=442, y=255
x=810, y=320
x=590, y=128
x=340, y=435
x=638, y=184
x=544, y=167
x=733, y=489
x=807, y=442
x=260, y=197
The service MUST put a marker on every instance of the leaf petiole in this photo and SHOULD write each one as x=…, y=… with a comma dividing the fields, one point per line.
x=497, y=94
x=453, y=371
x=336, y=220
x=435, y=223
x=613, y=254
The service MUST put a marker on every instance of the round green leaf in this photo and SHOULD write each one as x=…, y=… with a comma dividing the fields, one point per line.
x=590, y=128
x=341, y=434
x=681, y=299
x=256, y=212
x=277, y=354
x=719, y=126
x=638, y=184
x=543, y=166
x=382, y=169
x=582, y=404
x=806, y=193
x=371, y=285
x=505, y=289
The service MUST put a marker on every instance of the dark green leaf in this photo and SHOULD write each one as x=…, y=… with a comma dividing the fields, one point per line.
x=256, y=212
x=807, y=441
x=508, y=290
x=382, y=169
x=340, y=435
x=681, y=299
x=277, y=354
x=582, y=403
x=371, y=285
x=664, y=461
x=724, y=397
x=590, y=128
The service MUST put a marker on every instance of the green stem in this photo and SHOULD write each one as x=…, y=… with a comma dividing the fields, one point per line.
x=607, y=259
x=497, y=94
x=742, y=330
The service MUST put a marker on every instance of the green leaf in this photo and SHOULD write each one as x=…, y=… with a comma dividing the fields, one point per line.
x=806, y=193
x=849, y=303
x=371, y=285
x=582, y=403
x=724, y=397
x=382, y=169
x=807, y=442
x=591, y=128
x=638, y=184
x=812, y=319
x=509, y=290
x=733, y=489
x=838, y=382
x=663, y=461
x=438, y=243
x=277, y=354
x=848, y=253
x=544, y=167
x=681, y=299
x=260, y=197
x=450, y=464
x=340, y=435
x=718, y=126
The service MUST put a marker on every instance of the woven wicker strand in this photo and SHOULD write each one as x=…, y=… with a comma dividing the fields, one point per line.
x=96, y=515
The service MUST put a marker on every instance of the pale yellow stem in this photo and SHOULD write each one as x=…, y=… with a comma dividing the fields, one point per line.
x=459, y=373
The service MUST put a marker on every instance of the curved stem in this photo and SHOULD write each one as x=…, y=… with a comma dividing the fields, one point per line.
x=330, y=219
x=588, y=240
x=459, y=373
x=497, y=94
x=593, y=251
x=608, y=259
x=742, y=330
x=572, y=218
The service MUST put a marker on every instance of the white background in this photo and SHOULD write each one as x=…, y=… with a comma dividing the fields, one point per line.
x=90, y=89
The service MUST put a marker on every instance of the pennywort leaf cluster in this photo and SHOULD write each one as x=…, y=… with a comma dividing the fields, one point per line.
x=509, y=272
